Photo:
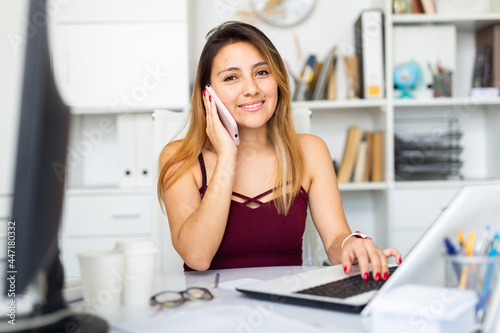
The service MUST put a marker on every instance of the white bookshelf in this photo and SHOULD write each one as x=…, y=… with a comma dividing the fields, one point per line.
x=480, y=118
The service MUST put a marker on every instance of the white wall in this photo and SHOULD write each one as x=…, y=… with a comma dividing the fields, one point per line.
x=331, y=23
x=12, y=46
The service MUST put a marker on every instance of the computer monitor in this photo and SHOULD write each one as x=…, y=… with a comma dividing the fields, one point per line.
x=38, y=193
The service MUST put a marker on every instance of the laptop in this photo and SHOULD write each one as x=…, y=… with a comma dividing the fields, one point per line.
x=472, y=208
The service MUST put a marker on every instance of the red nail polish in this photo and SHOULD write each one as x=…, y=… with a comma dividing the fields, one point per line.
x=400, y=261
x=377, y=277
x=204, y=92
x=345, y=269
x=210, y=98
x=365, y=276
x=386, y=276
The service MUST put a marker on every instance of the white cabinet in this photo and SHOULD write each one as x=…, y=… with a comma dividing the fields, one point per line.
x=121, y=56
x=95, y=220
x=115, y=63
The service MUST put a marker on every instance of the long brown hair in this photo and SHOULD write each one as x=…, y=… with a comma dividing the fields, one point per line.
x=281, y=132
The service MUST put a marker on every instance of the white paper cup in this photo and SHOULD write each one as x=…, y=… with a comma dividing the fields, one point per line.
x=140, y=268
x=102, y=274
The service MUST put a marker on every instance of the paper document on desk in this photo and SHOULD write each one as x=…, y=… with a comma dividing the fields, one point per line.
x=261, y=318
x=231, y=285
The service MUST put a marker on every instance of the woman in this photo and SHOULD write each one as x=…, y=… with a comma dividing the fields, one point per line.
x=234, y=206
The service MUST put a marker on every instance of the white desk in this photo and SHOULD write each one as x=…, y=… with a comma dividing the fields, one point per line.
x=231, y=311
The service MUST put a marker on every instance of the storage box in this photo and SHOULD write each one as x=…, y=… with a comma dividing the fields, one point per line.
x=417, y=308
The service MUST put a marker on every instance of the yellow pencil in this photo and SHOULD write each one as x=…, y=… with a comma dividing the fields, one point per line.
x=469, y=247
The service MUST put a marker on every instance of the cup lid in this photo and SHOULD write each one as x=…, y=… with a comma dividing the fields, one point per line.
x=136, y=246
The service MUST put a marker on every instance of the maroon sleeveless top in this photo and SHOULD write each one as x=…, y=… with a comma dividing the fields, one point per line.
x=257, y=237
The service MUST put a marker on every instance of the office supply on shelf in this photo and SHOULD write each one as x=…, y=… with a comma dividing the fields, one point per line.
x=407, y=309
x=472, y=203
x=422, y=154
x=407, y=77
x=370, y=50
x=354, y=135
x=425, y=44
x=306, y=77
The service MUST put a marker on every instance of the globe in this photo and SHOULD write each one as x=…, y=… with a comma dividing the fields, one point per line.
x=407, y=77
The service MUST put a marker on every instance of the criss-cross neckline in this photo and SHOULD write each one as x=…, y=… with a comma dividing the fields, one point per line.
x=248, y=200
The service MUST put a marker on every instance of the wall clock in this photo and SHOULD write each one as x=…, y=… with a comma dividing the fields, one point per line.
x=283, y=13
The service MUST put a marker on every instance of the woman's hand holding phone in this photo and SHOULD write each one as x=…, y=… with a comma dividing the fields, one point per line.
x=219, y=136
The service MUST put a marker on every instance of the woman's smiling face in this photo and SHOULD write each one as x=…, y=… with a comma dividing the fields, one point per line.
x=242, y=79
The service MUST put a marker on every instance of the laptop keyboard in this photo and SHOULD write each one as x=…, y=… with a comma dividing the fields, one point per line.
x=347, y=287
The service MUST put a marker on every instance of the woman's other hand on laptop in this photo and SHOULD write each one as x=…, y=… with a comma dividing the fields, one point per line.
x=360, y=249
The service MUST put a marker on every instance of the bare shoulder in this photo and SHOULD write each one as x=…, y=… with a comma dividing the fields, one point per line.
x=313, y=147
x=168, y=151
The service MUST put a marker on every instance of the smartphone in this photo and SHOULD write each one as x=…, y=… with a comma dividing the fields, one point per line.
x=224, y=115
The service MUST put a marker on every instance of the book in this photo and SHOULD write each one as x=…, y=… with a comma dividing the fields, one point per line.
x=377, y=158
x=351, y=65
x=489, y=38
x=326, y=72
x=354, y=136
x=369, y=156
x=360, y=166
x=316, y=72
x=416, y=7
x=331, y=85
x=369, y=42
x=429, y=6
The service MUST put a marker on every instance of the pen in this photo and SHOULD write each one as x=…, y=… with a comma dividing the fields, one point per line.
x=469, y=246
x=461, y=240
x=486, y=291
x=452, y=251
x=449, y=247
x=462, y=284
x=481, y=247
x=216, y=283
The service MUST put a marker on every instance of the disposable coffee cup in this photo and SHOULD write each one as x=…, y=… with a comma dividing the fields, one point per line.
x=140, y=268
x=102, y=274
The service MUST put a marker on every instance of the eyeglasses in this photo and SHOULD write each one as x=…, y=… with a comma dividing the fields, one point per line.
x=172, y=299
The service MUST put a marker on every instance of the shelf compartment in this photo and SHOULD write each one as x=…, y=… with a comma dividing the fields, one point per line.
x=378, y=104
x=365, y=186
x=462, y=22
x=445, y=101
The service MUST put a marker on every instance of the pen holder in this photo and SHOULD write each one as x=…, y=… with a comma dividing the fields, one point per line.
x=477, y=273
x=442, y=84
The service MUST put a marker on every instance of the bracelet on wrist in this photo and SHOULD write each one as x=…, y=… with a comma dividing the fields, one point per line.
x=357, y=234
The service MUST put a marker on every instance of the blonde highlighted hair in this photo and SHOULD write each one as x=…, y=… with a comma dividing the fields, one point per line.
x=281, y=132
